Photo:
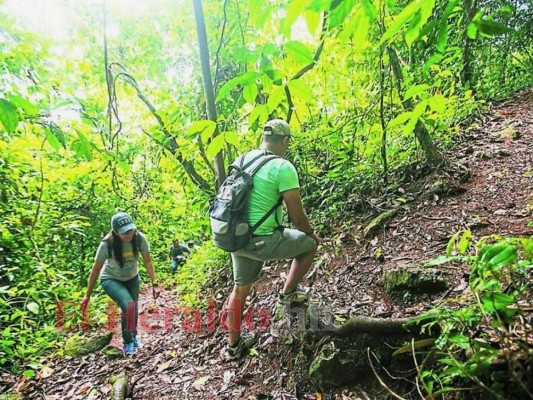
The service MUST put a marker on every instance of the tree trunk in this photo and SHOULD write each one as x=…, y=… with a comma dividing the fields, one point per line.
x=466, y=73
x=434, y=157
x=208, y=84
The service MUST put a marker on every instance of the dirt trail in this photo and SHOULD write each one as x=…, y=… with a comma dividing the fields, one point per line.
x=178, y=363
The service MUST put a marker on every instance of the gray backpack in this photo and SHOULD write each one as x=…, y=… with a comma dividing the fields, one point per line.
x=229, y=223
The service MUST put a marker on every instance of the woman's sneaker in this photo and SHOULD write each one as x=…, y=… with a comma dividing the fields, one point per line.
x=236, y=351
x=129, y=349
x=137, y=343
x=296, y=296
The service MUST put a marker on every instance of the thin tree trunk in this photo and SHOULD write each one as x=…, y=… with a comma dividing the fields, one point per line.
x=434, y=157
x=466, y=73
x=208, y=84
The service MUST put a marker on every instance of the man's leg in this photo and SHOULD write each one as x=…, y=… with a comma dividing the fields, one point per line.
x=174, y=266
x=235, y=309
x=299, y=267
x=245, y=272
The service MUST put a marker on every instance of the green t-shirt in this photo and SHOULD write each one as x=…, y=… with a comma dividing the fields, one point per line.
x=112, y=269
x=272, y=179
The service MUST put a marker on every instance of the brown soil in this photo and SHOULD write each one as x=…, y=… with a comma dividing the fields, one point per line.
x=178, y=363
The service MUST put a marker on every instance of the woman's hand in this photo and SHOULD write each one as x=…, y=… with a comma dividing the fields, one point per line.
x=155, y=290
x=84, y=302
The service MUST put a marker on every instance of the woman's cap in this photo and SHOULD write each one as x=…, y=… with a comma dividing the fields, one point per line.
x=122, y=222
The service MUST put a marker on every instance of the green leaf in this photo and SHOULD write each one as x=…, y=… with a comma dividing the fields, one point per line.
x=320, y=5
x=415, y=90
x=312, y=19
x=232, y=138
x=29, y=373
x=204, y=127
x=244, y=54
x=370, y=9
x=259, y=113
x=275, y=97
x=464, y=242
x=437, y=103
x=215, y=147
x=491, y=28
x=411, y=34
x=400, y=20
x=52, y=139
x=250, y=92
x=9, y=116
x=299, y=52
x=33, y=307
x=400, y=119
x=442, y=38
x=26, y=105
x=432, y=60
x=340, y=12
x=426, y=10
x=58, y=133
x=242, y=80
x=82, y=146
x=301, y=90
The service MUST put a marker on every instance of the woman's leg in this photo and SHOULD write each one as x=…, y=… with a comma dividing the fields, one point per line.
x=133, y=286
x=120, y=294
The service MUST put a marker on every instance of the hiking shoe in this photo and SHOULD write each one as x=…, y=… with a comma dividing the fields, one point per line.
x=296, y=296
x=245, y=342
x=137, y=343
x=129, y=349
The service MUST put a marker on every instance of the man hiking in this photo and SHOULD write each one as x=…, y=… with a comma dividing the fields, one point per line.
x=270, y=241
x=177, y=255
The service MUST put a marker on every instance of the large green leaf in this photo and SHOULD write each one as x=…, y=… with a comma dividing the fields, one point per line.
x=320, y=5
x=249, y=92
x=275, y=97
x=442, y=38
x=415, y=90
x=301, y=90
x=299, y=52
x=241, y=80
x=52, y=139
x=401, y=19
x=413, y=30
x=204, y=127
x=82, y=146
x=437, y=103
x=24, y=104
x=491, y=28
x=370, y=9
x=215, y=146
x=339, y=12
x=9, y=116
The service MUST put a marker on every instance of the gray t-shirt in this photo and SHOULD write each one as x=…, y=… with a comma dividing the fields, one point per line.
x=112, y=269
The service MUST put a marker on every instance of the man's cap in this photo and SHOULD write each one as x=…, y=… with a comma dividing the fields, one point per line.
x=122, y=222
x=277, y=127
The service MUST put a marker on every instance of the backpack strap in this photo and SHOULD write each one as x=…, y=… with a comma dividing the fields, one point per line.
x=269, y=212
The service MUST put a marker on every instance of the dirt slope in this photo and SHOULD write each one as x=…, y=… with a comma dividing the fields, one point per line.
x=178, y=363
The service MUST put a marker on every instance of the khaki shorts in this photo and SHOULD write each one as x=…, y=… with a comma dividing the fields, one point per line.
x=281, y=245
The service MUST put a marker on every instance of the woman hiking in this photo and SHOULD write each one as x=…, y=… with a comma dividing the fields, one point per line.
x=116, y=262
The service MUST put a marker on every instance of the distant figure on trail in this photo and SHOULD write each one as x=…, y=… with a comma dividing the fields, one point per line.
x=118, y=254
x=271, y=241
x=177, y=254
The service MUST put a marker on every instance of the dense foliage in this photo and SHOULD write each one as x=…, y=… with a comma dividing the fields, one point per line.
x=92, y=123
